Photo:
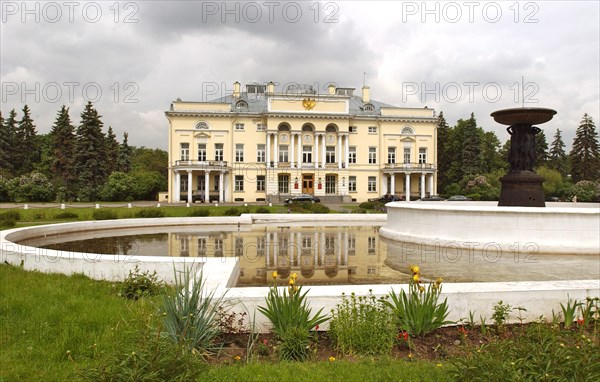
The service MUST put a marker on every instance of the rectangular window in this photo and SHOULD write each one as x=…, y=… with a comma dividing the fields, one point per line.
x=239, y=182
x=330, y=154
x=307, y=154
x=283, y=153
x=283, y=184
x=353, y=129
x=218, y=152
x=330, y=183
x=352, y=184
x=239, y=152
x=407, y=155
x=260, y=183
x=372, y=155
x=239, y=127
x=201, y=247
x=372, y=129
x=216, y=182
x=202, y=152
x=200, y=182
x=239, y=246
x=185, y=151
x=372, y=184
x=261, y=127
x=329, y=244
x=260, y=246
x=183, y=184
x=372, y=245
x=184, y=246
x=391, y=155
x=218, y=247
x=260, y=154
x=422, y=155
x=352, y=154
x=351, y=245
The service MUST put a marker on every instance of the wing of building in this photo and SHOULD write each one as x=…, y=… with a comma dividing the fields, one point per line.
x=264, y=145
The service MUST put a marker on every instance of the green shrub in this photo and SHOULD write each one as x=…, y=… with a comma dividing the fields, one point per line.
x=199, y=212
x=360, y=211
x=233, y=211
x=11, y=215
x=66, y=215
x=368, y=205
x=362, y=325
x=263, y=210
x=101, y=214
x=319, y=209
x=419, y=312
x=150, y=213
x=294, y=344
x=140, y=284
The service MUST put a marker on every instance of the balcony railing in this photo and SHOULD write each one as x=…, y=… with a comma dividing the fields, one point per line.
x=409, y=166
x=197, y=163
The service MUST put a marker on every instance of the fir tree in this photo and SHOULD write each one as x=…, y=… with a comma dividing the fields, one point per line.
x=90, y=154
x=466, y=147
x=585, y=155
x=7, y=142
x=541, y=149
x=557, y=159
x=112, y=151
x=4, y=144
x=26, y=150
x=125, y=154
x=443, y=151
x=62, y=138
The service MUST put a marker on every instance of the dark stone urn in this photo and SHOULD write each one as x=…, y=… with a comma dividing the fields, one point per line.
x=521, y=186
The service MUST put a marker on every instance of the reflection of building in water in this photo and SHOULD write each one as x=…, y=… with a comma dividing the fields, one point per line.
x=324, y=255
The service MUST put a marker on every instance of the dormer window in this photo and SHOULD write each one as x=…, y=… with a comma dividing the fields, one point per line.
x=369, y=107
x=202, y=126
x=241, y=105
x=407, y=130
x=255, y=89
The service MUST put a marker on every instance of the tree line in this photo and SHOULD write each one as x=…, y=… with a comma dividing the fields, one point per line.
x=75, y=162
x=471, y=161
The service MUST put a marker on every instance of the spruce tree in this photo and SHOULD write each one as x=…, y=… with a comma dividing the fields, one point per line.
x=443, y=151
x=112, y=151
x=3, y=147
x=585, y=154
x=26, y=151
x=125, y=154
x=62, y=138
x=7, y=142
x=90, y=154
x=466, y=145
x=557, y=158
x=541, y=149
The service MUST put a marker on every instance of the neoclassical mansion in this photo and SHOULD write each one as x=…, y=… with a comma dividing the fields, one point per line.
x=266, y=145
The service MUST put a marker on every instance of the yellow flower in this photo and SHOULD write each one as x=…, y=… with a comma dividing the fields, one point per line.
x=438, y=281
x=291, y=282
x=421, y=288
x=410, y=355
x=294, y=276
x=414, y=268
x=331, y=358
x=416, y=277
x=439, y=365
x=274, y=275
x=237, y=358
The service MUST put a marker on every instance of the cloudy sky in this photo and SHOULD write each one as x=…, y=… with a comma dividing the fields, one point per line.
x=132, y=58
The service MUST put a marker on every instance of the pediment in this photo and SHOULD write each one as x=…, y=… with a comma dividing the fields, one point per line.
x=201, y=134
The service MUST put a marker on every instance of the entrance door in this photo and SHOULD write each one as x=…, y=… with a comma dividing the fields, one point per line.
x=307, y=184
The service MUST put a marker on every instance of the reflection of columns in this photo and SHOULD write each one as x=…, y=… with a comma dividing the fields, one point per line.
x=177, y=190
x=339, y=151
x=316, y=248
x=268, y=247
x=392, y=184
x=346, y=150
x=316, y=156
x=292, y=150
x=422, y=185
x=268, y=150
x=345, y=238
x=275, y=248
x=221, y=188
x=407, y=185
x=323, y=159
x=266, y=251
x=339, y=248
x=206, y=187
x=299, y=150
x=322, y=247
x=276, y=150
x=189, y=194
x=431, y=191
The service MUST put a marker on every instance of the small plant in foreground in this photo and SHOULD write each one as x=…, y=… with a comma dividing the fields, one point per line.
x=418, y=312
x=292, y=321
x=570, y=312
x=363, y=325
x=500, y=315
x=140, y=284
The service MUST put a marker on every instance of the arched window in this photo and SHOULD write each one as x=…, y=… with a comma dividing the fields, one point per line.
x=369, y=107
x=331, y=128
x=283, y=127
x=202, y=126
x=308, y=127
x=407, y=130
x=241, y=105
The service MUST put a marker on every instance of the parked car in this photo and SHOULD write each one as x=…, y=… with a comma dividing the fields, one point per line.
x=459, y=198
x=303, y=198
x=432, y=198
x=387, y=199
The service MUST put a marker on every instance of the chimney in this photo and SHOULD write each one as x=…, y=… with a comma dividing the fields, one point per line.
x=365, y=94
x=331, y=89
x=270, y=88
x=236, y=89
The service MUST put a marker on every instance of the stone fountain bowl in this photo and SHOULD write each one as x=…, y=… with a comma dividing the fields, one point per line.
x=523, y=116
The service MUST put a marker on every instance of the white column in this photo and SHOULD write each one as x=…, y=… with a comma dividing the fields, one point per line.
x=347, y=150
x=189, y=194
x=392, y=184
x=340, y=249
x=345, y=238
x=322, y=247
x=291, y=150
x=407, y=185
x=276, y=150
x=422, y=185
x=299, y=150
x=206, y=186
x=221, y=188
x=267, y=257
x=316, y=248
x=268, y=149
x=339, y=151
x=323, y=159
x=316, y=154
x=268, y=248
x=275, y=248
x=431, y=192
x=177, y=190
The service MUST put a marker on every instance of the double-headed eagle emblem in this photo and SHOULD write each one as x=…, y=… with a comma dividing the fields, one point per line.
x=308, y=103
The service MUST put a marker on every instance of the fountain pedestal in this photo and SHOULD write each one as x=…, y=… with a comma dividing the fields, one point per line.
x=522, y=187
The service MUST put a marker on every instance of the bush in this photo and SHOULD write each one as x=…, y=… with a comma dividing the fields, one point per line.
x=419, y=312
x=150, y=213
x=104, y=214
x=368, y=205
x=199, y=212
x=233, y=211
x=140, y=284
x=362, y=325
x=263, y=210
x=319, y=209
x=9, y=219
x=66, y=215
